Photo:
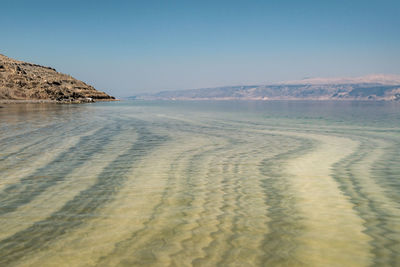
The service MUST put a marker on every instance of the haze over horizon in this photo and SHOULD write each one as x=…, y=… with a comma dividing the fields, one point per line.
x=130, y=47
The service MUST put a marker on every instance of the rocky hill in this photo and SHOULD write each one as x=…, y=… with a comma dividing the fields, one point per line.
x=26, y=81
x=372, y=87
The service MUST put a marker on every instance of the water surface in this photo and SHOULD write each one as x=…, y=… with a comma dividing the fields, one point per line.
x=200, y=184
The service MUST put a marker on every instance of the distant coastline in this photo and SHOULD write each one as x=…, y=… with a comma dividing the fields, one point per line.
x=367, y=88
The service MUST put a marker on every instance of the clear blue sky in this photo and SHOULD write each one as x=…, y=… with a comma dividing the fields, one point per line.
x=126, y=47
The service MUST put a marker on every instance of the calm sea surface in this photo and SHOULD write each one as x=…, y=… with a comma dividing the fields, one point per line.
x=200, y=184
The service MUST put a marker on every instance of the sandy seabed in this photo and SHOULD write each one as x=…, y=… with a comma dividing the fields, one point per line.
x=199, y=184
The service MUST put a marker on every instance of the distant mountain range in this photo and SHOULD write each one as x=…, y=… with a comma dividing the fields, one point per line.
x=371, y=87
x=23, y=81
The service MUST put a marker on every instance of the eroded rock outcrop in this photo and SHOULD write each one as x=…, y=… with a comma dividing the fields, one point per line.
x=26, y=81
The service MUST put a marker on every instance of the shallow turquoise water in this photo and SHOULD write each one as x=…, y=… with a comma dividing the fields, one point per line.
x=200, y=183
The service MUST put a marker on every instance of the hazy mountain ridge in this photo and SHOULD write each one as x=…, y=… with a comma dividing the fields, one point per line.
x=385, y=79
x=27, y=81
x=372, y=87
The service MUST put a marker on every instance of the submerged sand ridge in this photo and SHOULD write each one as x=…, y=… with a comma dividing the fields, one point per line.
x=161, y=184
x=333, y=230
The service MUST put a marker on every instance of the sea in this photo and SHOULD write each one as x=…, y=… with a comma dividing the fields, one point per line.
x=200, y=183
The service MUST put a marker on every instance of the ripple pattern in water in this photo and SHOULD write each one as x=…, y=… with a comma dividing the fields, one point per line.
x=200, y=184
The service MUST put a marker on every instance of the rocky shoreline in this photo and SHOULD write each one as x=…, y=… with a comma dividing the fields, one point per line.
x=46, y=101
x=22, y=82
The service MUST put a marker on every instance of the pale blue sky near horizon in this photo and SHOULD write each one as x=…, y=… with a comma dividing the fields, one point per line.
x=130, y=47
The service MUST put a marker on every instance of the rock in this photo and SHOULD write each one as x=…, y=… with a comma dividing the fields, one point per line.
x=26, y=81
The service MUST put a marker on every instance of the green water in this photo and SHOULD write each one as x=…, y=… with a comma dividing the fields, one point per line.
x=200, y=184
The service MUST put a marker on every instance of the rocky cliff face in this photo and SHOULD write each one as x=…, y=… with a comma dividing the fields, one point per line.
x=26, y=81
